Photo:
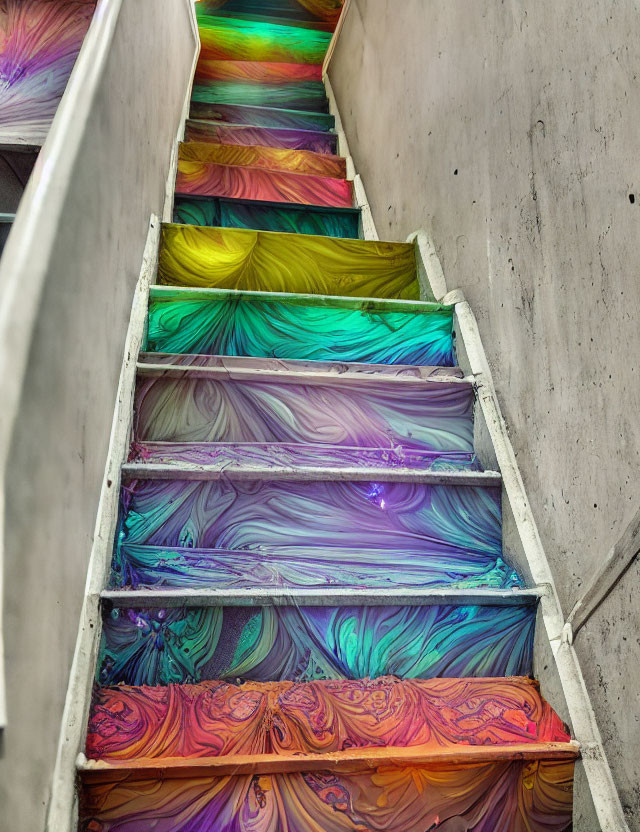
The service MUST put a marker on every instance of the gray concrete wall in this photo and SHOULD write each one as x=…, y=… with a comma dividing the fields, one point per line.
x=59, y=446
x=509, y=131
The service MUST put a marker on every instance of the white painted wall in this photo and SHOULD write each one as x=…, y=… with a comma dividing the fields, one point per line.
x=509, y=131
x=119, y=161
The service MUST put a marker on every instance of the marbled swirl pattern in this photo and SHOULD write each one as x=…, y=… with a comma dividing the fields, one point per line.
x=243, y=135
x=256, y=116
x=435, y=416
x=39, y=43
x=225, y=213
x=268, y=158
x=488, y=797
x=300, y=644
x=217, y=718
x=298, y=95
x=204, y=179
x=298, y=328
x=256, y=72
x=234, y=258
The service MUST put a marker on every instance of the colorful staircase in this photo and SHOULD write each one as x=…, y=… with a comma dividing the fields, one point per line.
x=310, y=622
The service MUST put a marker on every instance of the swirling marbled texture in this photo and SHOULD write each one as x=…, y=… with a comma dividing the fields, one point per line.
x=488, y=797
x=262, y=116
x=236, y=39
x=205, y=179
x=327, y=11
x=243, y=135
x=300, y=644
x=234, y=258
x=442, y=526
x=218, y=719
x=40, y=40
x=297, y=328
x=269, y=158
x=300, y=95
x=294, y=219
x=256, y=72
x=379, y=413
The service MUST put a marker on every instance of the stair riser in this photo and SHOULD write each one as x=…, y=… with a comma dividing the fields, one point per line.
x=202, y=179
x=224, y=213
x=245, y=40
x=262, y=116
x=217, y=719
x=256, y=72
x=271, y=644
x=304, y=95
x=228, y=258
x=491, y=797
x=445, y=533
x=371, y=414
x=268, y=158
x=290, y=330
x=241, y=135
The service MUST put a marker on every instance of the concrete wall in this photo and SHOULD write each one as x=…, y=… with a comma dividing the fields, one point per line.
x=509, y=131
x=59, y=445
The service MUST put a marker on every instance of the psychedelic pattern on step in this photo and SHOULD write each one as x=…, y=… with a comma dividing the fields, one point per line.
x=216, y=718
x=325, y=11
x=226, y=258
x=297, y=219
x=436, y=416
x=268, y=158
x=204, y=179
x=294, y=95
x=256, y=72
x=40, y=41
x=316, y=141
x=262, y=116
x=300, y=644
x=298, y=328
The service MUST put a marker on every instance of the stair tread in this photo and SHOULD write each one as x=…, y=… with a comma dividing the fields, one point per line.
x=246, y=182
x=304, y=95
x=233, y=258
x=253, y=115
x=256, y=71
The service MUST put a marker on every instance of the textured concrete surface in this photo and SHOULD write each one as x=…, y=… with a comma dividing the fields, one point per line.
x=60, y=444
x=509, y=131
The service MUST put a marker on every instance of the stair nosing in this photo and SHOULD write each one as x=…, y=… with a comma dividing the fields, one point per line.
x=352, y=759
x=193, y=471
x=325, y=597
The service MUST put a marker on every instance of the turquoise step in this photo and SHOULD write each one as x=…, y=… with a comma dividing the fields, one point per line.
x=267, y=216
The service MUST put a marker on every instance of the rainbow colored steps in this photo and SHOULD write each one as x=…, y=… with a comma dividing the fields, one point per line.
x=267, y=216
x=310, y=623
x=300, y=327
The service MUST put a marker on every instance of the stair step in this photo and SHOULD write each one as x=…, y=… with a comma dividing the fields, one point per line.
x=234, y=258
x=316, y=141
x=243, y=182
x=255, y=116
x=256, y=72
x=296, y=727
x=267, y=216
x=269, y=158
x=166, y=645
x=316, y=328
x=325, y=11
x=293, y=95
x=239, y=528
x=229, y=38
x=508, y=796
x=213, y=405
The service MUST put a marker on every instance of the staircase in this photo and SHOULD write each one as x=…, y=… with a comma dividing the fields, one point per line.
x=310, y=622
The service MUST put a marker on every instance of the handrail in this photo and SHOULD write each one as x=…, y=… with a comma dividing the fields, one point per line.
x=618, y=560
x=605, y=796
x=26, y=256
